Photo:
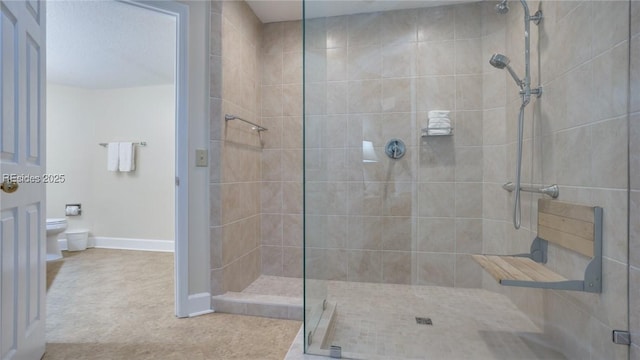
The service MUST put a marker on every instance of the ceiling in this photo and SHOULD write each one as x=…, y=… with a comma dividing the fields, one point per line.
x=108, y=44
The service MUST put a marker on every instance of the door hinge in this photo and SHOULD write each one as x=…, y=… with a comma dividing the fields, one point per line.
x=177, y=181
x=621, y=337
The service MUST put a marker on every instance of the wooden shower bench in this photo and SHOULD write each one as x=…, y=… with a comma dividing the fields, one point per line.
x=574, y=227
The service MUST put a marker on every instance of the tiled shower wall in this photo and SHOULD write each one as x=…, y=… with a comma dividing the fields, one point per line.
x=576, y=137
x=281, y=111
x=235, y=148
x=634, y=153
x=373, y=77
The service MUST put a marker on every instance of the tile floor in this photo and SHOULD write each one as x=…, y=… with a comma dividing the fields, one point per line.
x=377, y=321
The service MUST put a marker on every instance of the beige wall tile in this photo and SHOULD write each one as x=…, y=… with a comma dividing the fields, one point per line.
x=469, y=161
x=271, y=228
x=436, y=235
x=634, y=229
x=469, y=92
x=364, y=29
x=468, y=200
x=436, y=58
x=399, y=59
x=292, y=197
x=435, y=24
x=337, y=97
x=397, y=234
x=469, y=128
x=398, y=95
x=468, y=56
x=272, y=100
x=634, y=305
x=436, y=199
x=364, y=96
x=612, y=16
x=292, y=230
x=292, y=262
x=365, y=266
x=364, y=233
x=610, y=98
x=573, y=162
x=609, y=157
x=272, y=260
x=468, y=21
x=292, y=100
x=468, y=236
x=399, y=26
x=436, y=269
x=635, y=72
x=437, y=159
x=292, y=32
x=397, y=267
x=468, y=272
x=435, y=93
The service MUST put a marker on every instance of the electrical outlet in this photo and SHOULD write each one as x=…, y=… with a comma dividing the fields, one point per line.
x=202, y=158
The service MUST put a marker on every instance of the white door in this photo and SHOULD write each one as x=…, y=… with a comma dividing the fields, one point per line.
x=22, y=148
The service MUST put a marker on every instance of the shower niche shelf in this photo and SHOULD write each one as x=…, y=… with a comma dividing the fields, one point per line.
x=574, y=227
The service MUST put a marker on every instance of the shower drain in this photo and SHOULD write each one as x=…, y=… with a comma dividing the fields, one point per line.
x=423, y=321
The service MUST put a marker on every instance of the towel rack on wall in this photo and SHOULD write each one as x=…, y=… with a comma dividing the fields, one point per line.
x=255, y=127
x=141, y=143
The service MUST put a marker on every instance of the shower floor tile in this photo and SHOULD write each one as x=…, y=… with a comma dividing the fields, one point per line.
x=378, y=321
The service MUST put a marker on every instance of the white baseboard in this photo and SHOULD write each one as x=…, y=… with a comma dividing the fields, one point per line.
x=199, y=304
x=125, y=244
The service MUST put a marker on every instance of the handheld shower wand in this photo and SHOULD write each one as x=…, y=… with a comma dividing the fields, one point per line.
x=500, y=61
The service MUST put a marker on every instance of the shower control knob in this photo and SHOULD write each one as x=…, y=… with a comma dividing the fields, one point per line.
x=395, y=149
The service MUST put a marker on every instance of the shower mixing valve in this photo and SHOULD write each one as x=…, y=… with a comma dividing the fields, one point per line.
x=395, y=149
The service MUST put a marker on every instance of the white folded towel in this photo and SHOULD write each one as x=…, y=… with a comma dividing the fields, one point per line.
x=440, y=123
x=440, y=119
x=446, y=131
x=439, y=126
x=112, y=156
x=127, y=155
x=438, y=113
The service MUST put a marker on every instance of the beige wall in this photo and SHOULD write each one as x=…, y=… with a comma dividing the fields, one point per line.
x=634, y=153
x=138, y=205
x=575, y=136
x=235, y=176
x=281, y=225
x=374, y=77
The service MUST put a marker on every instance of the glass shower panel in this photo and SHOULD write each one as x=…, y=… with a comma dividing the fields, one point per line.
x=409, y=136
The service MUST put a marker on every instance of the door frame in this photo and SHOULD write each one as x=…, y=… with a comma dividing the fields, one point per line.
x=181, y=255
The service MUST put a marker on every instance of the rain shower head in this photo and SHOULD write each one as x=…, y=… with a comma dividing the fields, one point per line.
x=502, y=7
x=500, y=61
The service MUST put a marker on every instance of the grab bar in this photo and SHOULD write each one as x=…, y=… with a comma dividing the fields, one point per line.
x=255, y=127
x=551, y=190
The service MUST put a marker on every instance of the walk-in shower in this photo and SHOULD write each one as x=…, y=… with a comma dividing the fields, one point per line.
x=390, y=241
x=501, y=62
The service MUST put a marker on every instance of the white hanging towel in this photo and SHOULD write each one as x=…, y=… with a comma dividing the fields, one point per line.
x=113, y=153
x=127, y=157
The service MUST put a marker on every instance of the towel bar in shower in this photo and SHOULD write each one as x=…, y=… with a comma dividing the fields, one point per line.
x=551, y=190
x=255, y=127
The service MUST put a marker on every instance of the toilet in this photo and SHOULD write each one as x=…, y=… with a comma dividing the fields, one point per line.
x=54, y=228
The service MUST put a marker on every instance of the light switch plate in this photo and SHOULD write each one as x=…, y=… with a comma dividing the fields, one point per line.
x=202, y=158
